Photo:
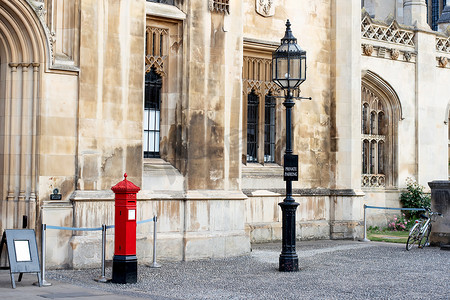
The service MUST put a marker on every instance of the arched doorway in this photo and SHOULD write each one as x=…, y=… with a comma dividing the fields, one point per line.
x=22, y=57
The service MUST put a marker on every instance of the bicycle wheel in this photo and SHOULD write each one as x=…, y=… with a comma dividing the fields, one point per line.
x=413, y=236
x=423, y=240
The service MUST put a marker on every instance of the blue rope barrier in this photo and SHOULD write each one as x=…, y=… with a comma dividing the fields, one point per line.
x=73, y=228
x=93, y=229
x=394, y=208
x=145, y=221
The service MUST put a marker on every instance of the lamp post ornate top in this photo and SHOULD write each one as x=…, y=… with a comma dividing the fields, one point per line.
x=288, y=36
x=289, y=62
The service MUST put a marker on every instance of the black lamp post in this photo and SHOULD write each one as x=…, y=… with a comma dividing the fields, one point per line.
x=289, y=71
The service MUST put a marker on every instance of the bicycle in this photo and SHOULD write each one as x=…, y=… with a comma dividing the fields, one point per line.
x=420, y=232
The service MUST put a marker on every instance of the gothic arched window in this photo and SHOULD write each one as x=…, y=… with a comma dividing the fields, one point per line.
x=381, y=112
x=260, y=114
x=375, y=136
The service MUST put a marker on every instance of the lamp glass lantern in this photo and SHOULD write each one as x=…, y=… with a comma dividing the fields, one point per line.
x=289, y=62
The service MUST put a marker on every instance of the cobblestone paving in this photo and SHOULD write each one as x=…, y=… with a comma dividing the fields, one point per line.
x=329, y=270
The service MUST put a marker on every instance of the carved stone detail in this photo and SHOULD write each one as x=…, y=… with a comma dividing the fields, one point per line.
x=368, y=49
x=39, y=8
x=157, y=62
x=221, y=6
x=442, y=61
x=407, y=55
x=52, y=41
x=372, y=180
x=265, y=8
x=443, y=44
x=395, y=53
x=373, y=137
x=392, y=33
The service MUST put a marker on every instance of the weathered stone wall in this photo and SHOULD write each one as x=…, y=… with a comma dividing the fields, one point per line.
x=213, y=97
x=110, y=94
x=194, y=226
x=57, y=147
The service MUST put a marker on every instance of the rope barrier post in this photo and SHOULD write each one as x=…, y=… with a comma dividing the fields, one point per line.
x=154, y=264
x=365, y=239
x=43, y=250
x=103, y=278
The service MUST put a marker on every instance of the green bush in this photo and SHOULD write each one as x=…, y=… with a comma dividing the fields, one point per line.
x=374, y=229
x=414, y=197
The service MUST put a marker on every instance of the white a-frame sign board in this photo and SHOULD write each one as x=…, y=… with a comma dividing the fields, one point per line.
x=22, y=253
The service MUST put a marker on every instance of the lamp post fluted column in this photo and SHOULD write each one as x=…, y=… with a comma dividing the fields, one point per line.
x=288, y=261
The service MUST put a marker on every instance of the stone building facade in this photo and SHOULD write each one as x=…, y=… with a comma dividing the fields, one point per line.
x=178, y=95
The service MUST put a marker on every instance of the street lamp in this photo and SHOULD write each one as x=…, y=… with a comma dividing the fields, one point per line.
x=289, y=71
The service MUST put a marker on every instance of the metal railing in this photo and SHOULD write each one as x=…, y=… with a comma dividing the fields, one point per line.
x=104, y=227
x=365, y=239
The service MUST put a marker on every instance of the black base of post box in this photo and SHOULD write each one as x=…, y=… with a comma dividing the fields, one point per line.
x=124, y=269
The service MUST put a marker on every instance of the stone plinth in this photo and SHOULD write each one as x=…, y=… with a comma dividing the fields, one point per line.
x=440, y=202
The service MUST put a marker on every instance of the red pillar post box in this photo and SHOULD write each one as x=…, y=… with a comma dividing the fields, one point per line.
x=125, y=260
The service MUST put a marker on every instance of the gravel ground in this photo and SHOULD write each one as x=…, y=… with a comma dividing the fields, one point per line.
x=329, y=270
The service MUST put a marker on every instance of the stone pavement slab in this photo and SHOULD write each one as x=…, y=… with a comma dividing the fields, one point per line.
x=58, y=290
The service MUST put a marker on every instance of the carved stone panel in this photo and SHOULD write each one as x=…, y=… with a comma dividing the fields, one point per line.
x=395, y=53
x=442, y=61
x=265, y=8
x=368, y=49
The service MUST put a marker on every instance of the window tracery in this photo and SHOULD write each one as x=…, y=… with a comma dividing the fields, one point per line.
x=261, y=107
x=221, y=6
x=155, y=49
x=374, y=137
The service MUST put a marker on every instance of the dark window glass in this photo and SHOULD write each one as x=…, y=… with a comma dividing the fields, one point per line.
x=373, y=151
x=252, y=127
x=269, y=129
x=434, y=14
x=171, y=2
x=364, y=119
x=381, y=124
x=381, y=158
x=152, y=111
x=373, y=124
x=365, y=155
